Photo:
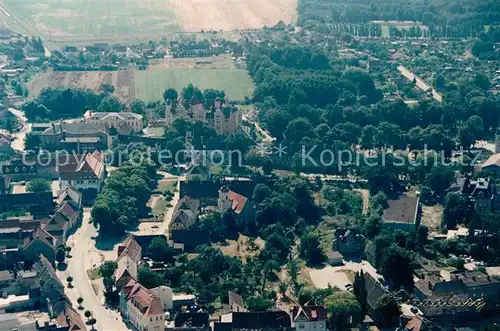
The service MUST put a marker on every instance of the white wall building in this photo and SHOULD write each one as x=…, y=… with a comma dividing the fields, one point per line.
x=129, y=257
x=309, y=318
x=114, y=120
x=141, y=307
x=166, y=296
x=85, y=175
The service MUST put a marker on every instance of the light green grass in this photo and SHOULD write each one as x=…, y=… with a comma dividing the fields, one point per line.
x=59, y=18
x=160, y=206
x=150, y=84
x=165, y=185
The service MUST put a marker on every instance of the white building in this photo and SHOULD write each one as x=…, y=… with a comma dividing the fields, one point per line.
x=224, y=203
x=309, y=318
x=141, y=307
x=166, y=296
x=129, y=257
x=88, y=174
x=119, y=120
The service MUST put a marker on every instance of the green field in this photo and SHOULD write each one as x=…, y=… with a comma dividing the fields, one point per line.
x=60, y=19
x=150, y=84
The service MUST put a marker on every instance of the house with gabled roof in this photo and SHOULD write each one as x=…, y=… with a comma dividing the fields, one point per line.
x=40, y=242
x=185, y=214
x=50, y=286
x=87, y=175
x=197, y=172
x=236, y=302
x=129, y=257
x=70, y=320
x=62, y=221
x=141, y=307
x=72, y=196
x=236, y=203
x=309, y=318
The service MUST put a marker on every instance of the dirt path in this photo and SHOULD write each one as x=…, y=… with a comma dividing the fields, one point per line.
x=365, y=195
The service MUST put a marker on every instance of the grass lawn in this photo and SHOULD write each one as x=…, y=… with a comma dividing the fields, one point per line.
x=165, y=185
x=160, y=206
x=94, y=273
x=150, y=84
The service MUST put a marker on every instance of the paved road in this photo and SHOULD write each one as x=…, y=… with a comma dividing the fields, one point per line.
x=18, y=141
x=82, y=245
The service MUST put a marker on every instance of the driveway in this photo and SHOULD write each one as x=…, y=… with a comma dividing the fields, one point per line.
x=83, y=258
x=150, y=228
x=18, y=141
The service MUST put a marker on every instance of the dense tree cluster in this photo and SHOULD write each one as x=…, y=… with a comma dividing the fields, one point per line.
x=444, y=18
x=123, y=200
x=56, y=103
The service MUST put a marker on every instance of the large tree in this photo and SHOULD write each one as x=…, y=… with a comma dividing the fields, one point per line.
x=38, y=185
x=344, y=310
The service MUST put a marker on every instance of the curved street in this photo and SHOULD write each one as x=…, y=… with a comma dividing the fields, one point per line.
x=82, y=244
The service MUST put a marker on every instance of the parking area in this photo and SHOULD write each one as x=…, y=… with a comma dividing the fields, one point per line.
x=340, y=276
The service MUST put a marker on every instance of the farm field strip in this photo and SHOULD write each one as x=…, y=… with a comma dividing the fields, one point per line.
x=149, y=84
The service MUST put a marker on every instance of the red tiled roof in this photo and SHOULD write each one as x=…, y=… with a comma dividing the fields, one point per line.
x=131, y=248
x=90, y=166
x=144, y=300
x=70, y=319
x=238, y=200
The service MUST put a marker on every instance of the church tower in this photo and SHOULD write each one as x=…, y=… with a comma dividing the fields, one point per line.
x=224, y=202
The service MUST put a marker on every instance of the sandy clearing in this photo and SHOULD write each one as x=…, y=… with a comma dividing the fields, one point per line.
x=228, y=15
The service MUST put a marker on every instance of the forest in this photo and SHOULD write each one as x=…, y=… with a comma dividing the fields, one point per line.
x=444, y=18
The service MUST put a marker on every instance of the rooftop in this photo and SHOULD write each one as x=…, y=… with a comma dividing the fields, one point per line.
x=403, y=210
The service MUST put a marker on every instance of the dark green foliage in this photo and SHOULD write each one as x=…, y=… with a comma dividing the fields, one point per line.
x=160, y=250
x=310, y=250
x=258, y=303
x=387, y=311
x=122, y=200
x=149, y=278
x=61, y=102
x=455, y=211
x=344, y=310
x=38, y=185
x=359, y=290
x=396, y=265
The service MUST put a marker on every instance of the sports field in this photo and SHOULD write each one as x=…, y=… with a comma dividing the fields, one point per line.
x=150, y=84
x=215, y=72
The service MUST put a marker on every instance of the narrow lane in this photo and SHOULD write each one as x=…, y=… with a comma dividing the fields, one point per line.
x=82, y=244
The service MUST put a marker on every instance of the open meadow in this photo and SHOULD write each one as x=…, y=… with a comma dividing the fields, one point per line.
x=212, y=72
x=119, y=21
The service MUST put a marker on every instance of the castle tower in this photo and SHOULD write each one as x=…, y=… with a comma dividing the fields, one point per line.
x=111, y=138
x=224, y=203
x=169, y=117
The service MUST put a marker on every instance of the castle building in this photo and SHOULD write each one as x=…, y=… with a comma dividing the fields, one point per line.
x=224, y=118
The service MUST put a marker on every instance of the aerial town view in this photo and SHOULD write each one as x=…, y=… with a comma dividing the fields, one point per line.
x=249, y=165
